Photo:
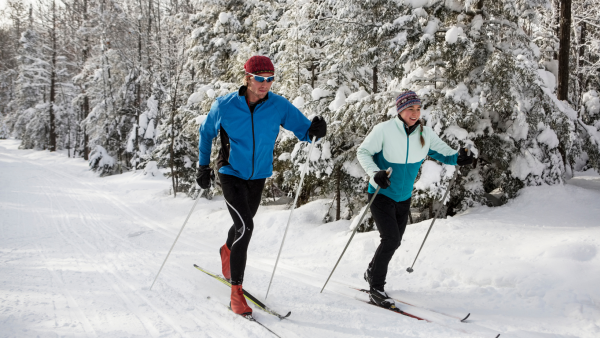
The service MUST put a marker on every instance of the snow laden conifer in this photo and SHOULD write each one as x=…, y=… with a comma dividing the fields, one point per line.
x=298, y=50
x=215, y=38
x=481, y=84
x=360, y=40
x=4, y=132
x=27, y=119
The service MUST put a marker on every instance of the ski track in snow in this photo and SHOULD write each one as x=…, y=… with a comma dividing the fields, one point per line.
x=79, y=253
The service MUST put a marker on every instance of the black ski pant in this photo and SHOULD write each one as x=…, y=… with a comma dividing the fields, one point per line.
x=391, y=218
x=242, y=198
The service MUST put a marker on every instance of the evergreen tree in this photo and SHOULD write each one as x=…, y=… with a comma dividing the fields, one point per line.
x=28, y=120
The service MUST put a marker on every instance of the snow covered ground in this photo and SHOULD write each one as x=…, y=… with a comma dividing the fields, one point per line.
x=78, y=254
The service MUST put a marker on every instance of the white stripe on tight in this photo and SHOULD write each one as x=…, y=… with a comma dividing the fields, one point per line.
x=243, y=224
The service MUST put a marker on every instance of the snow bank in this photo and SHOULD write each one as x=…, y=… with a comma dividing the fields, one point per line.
x=529, y=268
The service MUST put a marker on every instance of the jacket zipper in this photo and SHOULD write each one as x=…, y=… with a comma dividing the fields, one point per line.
x=407, y=145
x=253, y=142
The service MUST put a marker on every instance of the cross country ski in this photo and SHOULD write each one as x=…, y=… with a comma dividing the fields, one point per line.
x=247, y=295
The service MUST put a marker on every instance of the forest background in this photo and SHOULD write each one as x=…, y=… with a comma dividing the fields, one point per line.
x=126, y=84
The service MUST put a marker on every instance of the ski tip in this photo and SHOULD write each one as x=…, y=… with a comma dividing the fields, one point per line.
x=282, y=317
x=464, y=319
x=196, y=265
x=498, y=335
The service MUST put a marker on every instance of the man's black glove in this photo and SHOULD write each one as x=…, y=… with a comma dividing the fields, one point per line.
x=204, y=175
x=318, y=128
x=465, y=157
x=382, y=179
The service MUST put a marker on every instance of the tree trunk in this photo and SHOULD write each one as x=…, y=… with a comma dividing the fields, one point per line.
x=52, y=139
x=563, y=53
x=582, y=82
x=313, y=77
x=86, y=100
x=172, y=155
x=174, y=171
x=375, y=79
x=556, y=4
x=138, y=98
x=338, y=194
x=148, y=35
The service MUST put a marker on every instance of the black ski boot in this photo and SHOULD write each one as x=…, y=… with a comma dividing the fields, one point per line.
x=367, y=276
x=380, y=298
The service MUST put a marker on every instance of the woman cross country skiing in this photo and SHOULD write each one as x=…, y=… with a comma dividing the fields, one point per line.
x=248, y=122
x=401, y=143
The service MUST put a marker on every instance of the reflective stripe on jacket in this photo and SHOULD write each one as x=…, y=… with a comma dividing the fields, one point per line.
x=249, y=136
x=387, y=145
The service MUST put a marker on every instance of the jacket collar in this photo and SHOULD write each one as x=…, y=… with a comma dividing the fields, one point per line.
x=400, y=122
x=242, y=93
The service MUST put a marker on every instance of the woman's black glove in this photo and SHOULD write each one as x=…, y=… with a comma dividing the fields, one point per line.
x=382, y=179
x=465, y=157
x=204, y=175
x=318, y=128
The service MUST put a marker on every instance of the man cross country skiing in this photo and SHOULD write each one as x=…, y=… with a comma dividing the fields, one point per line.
x=248, y=122
x=401, y=143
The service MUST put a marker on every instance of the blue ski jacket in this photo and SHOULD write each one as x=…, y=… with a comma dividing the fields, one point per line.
x=388, y=145
x=248, y=136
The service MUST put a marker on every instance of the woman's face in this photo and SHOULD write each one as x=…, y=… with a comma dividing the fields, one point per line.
x=411, y=115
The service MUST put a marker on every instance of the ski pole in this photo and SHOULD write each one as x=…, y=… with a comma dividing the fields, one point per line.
x=176, y=238
x=304, y=170
x=354, y=232
x=410, y=270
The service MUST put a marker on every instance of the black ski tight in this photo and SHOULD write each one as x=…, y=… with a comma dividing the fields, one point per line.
x=391, y=218
x=242, y=198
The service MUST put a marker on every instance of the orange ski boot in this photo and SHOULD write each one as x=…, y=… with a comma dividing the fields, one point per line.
x=225, y=252
x=238, y=302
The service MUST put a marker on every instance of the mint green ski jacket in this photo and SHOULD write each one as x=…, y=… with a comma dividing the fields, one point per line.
x=387, y=145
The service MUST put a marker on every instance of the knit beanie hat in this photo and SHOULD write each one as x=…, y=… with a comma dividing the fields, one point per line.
x=259, y=64
x=406, y=100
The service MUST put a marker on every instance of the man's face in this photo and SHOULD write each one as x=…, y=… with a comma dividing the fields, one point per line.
x=258, y=90
x=411, y=115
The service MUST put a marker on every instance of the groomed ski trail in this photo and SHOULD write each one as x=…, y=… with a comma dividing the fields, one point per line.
x=78, y=254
